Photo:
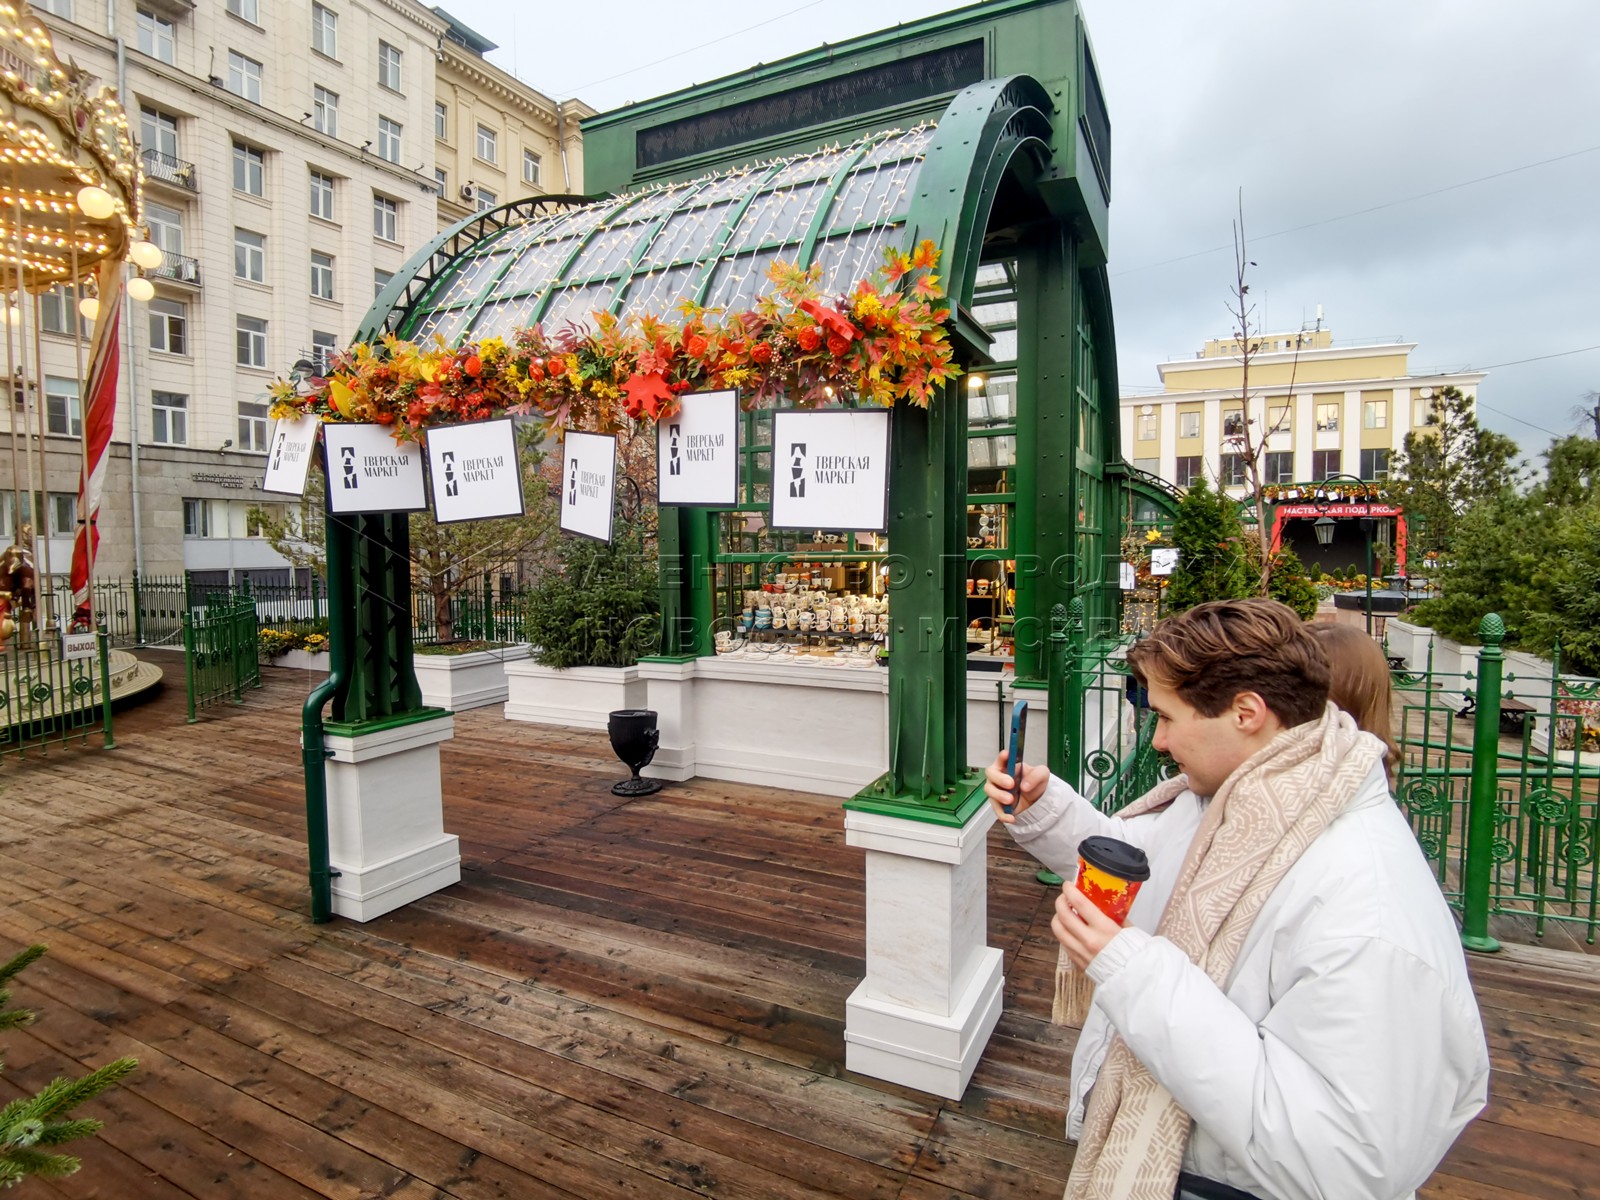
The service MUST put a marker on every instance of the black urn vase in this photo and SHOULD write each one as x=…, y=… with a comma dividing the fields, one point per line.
x=634, y=737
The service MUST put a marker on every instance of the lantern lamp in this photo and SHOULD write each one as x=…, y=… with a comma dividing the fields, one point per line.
x=90, y=308
x=1323, y=528
x=146, y=254
x=95, y=202
x=141, y=288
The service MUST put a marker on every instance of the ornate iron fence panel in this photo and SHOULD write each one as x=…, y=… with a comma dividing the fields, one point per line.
x=220, y=651
x=1546, y=820
x=47, y=699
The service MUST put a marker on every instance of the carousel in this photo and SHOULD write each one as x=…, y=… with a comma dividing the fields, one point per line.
x=70, y=201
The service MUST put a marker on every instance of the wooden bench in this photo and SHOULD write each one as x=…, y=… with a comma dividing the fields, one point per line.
x=1514, y=714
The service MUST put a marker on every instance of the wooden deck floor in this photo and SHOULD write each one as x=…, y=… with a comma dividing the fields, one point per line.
x=621, y=999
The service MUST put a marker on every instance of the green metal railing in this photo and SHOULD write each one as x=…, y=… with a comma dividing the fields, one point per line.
x=1503, y=799
x=47, y=699
x=221, y=657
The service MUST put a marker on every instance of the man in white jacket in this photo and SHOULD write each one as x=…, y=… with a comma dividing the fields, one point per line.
x=1287, y=1011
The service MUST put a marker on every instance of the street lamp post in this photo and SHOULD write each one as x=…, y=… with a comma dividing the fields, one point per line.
x=1324, y=526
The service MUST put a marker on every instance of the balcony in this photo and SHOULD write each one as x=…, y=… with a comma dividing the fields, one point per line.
x=163, y=168
x=178, y=268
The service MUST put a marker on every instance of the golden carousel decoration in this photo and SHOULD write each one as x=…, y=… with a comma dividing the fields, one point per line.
x=71, y=197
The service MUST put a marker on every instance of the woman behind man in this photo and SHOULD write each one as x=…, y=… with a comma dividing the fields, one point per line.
x=1360, y=684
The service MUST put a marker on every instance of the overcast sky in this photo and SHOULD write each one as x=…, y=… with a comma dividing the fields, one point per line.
x=1316, y=111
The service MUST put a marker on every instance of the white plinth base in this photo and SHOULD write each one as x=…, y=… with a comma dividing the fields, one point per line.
x=386, y=835
x=920, y=1049
x=583, y=697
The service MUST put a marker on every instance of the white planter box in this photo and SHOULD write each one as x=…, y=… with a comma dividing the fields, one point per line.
x=457, y=682
x=578, y=696
x=301, y=660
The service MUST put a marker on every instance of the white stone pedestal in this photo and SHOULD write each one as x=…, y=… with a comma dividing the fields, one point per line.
x=924, y=1013
x=670, y=691
x=386, y=833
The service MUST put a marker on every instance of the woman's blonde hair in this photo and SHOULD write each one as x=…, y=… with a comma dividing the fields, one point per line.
x=1360, y=683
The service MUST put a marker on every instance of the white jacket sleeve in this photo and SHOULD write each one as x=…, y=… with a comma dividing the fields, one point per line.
x=1333, y=1095
x=1052, y=826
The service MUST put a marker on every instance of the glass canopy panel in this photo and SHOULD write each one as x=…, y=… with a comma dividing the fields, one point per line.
x=685, y=235
x=448, y=324
x=853, y=256
x=812, y=166
x=913, y=143
x=778, y=216
x=737, y=281
x=577, y=305
x=660, y=292
x=607, y=252
x=536, y=267
x=875, y=196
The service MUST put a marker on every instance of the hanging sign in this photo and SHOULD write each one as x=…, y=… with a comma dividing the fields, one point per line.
x=369, y=472
x=78, y=645
x=589, y=484
x=830, y=470
x=1164, y=561
x=697, y=452
x=293, y=443
x=474, y=471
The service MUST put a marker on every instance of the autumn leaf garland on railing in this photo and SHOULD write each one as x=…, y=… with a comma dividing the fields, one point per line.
x=884, y=342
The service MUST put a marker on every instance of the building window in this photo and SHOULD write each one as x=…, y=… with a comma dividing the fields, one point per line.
x=486, y=199
x=155, y=36
x=389, y=66
x=57, y=8
x=1324, y=463
x=388, y=140
x=1421, y=410
x=166, y=227
x=441, y=122
x=1189, y=425
x=63, y=412
x=322, y=275
x=158, y=131
x=1278, y=419
x=252, y=427
x=324, y=31
x=1189, y=468
x=246, y=10
x=169, y=326
x=1233, y=473
x=441, y=181
x=250, y=341
x=249, y=256
x=380, y=280
x=486, y=144
x=1233, y=422
x=1150, y=466
x=325, y=111
x=63, y=514
x=244, y=76
x=1374, y=464
x=196, y=519
x=1374, y=414
x=530, y=167
x=385, y=218
x=1328, y=418
x=1280, y=467
x=249, y=170
x=322, y=195
x=1149, y=427
x=56, y=309
x=323, y=347
x=169, y=418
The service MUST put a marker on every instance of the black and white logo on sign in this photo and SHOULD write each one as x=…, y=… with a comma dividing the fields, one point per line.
x=376, y=473
x=838, y=462
x=572, y=483
x=589, y=499
x=347, y=455
x=476, y=473
x=452, y=485
x=697, y=451
x=277, y=451
x=674, y=457
x=294, y=441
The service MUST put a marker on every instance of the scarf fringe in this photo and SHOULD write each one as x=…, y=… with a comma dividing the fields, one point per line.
x=1074, y=995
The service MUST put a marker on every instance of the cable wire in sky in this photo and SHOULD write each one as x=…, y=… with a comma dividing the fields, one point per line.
x=1360, y=212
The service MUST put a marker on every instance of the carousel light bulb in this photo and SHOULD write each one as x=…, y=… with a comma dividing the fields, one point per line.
x=89, y=307
x=141, y=289
x=95, y=202
x=147, y=255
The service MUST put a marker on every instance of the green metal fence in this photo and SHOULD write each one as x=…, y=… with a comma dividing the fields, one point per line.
x=1504, y=800
x=221, y=657
x=47, y=699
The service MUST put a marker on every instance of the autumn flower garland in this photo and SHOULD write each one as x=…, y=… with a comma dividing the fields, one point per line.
x=884, y=342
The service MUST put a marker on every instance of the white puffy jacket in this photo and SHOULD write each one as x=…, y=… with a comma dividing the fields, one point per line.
x=1345, y=1054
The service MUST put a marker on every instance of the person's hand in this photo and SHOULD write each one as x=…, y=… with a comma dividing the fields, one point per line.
x=1081, y=928
x=997, y=785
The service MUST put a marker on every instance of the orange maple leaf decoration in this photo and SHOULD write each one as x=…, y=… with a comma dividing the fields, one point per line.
x=831, y=319
x=646, y=394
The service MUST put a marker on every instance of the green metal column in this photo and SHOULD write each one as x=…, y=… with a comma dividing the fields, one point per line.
x=684, y=542
x=1483, y=803
x=382, y=678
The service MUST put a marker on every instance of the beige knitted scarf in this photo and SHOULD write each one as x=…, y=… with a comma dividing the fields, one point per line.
x=1263, y=817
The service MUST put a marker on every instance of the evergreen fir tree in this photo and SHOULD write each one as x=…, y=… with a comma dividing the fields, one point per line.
x=1213, y=562
x=32, y=1126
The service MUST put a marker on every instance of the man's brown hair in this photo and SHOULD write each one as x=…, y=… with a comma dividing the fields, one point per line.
x=1214, y=651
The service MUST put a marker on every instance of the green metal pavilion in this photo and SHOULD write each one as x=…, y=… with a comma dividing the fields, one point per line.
x=983, y=129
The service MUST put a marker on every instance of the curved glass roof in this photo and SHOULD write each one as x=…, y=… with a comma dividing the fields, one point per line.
x=710, y=240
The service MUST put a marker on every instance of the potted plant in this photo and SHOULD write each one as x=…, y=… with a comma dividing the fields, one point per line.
x=588, y=622
x=465, y=674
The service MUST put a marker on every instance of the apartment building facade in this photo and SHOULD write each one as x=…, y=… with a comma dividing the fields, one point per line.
x=292, y=159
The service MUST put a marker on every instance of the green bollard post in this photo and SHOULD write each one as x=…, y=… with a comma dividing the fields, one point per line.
x=105, y=685
x=1483, y=800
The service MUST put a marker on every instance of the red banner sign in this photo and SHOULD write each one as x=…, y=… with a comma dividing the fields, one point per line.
x=1338, y=510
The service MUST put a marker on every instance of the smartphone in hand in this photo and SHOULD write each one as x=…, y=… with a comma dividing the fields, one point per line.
x=1019, y=730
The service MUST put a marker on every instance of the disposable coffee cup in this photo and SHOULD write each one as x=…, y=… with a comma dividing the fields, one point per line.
x=1109, y=874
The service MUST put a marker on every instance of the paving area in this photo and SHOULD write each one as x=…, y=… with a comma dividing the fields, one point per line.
x=622, y=998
